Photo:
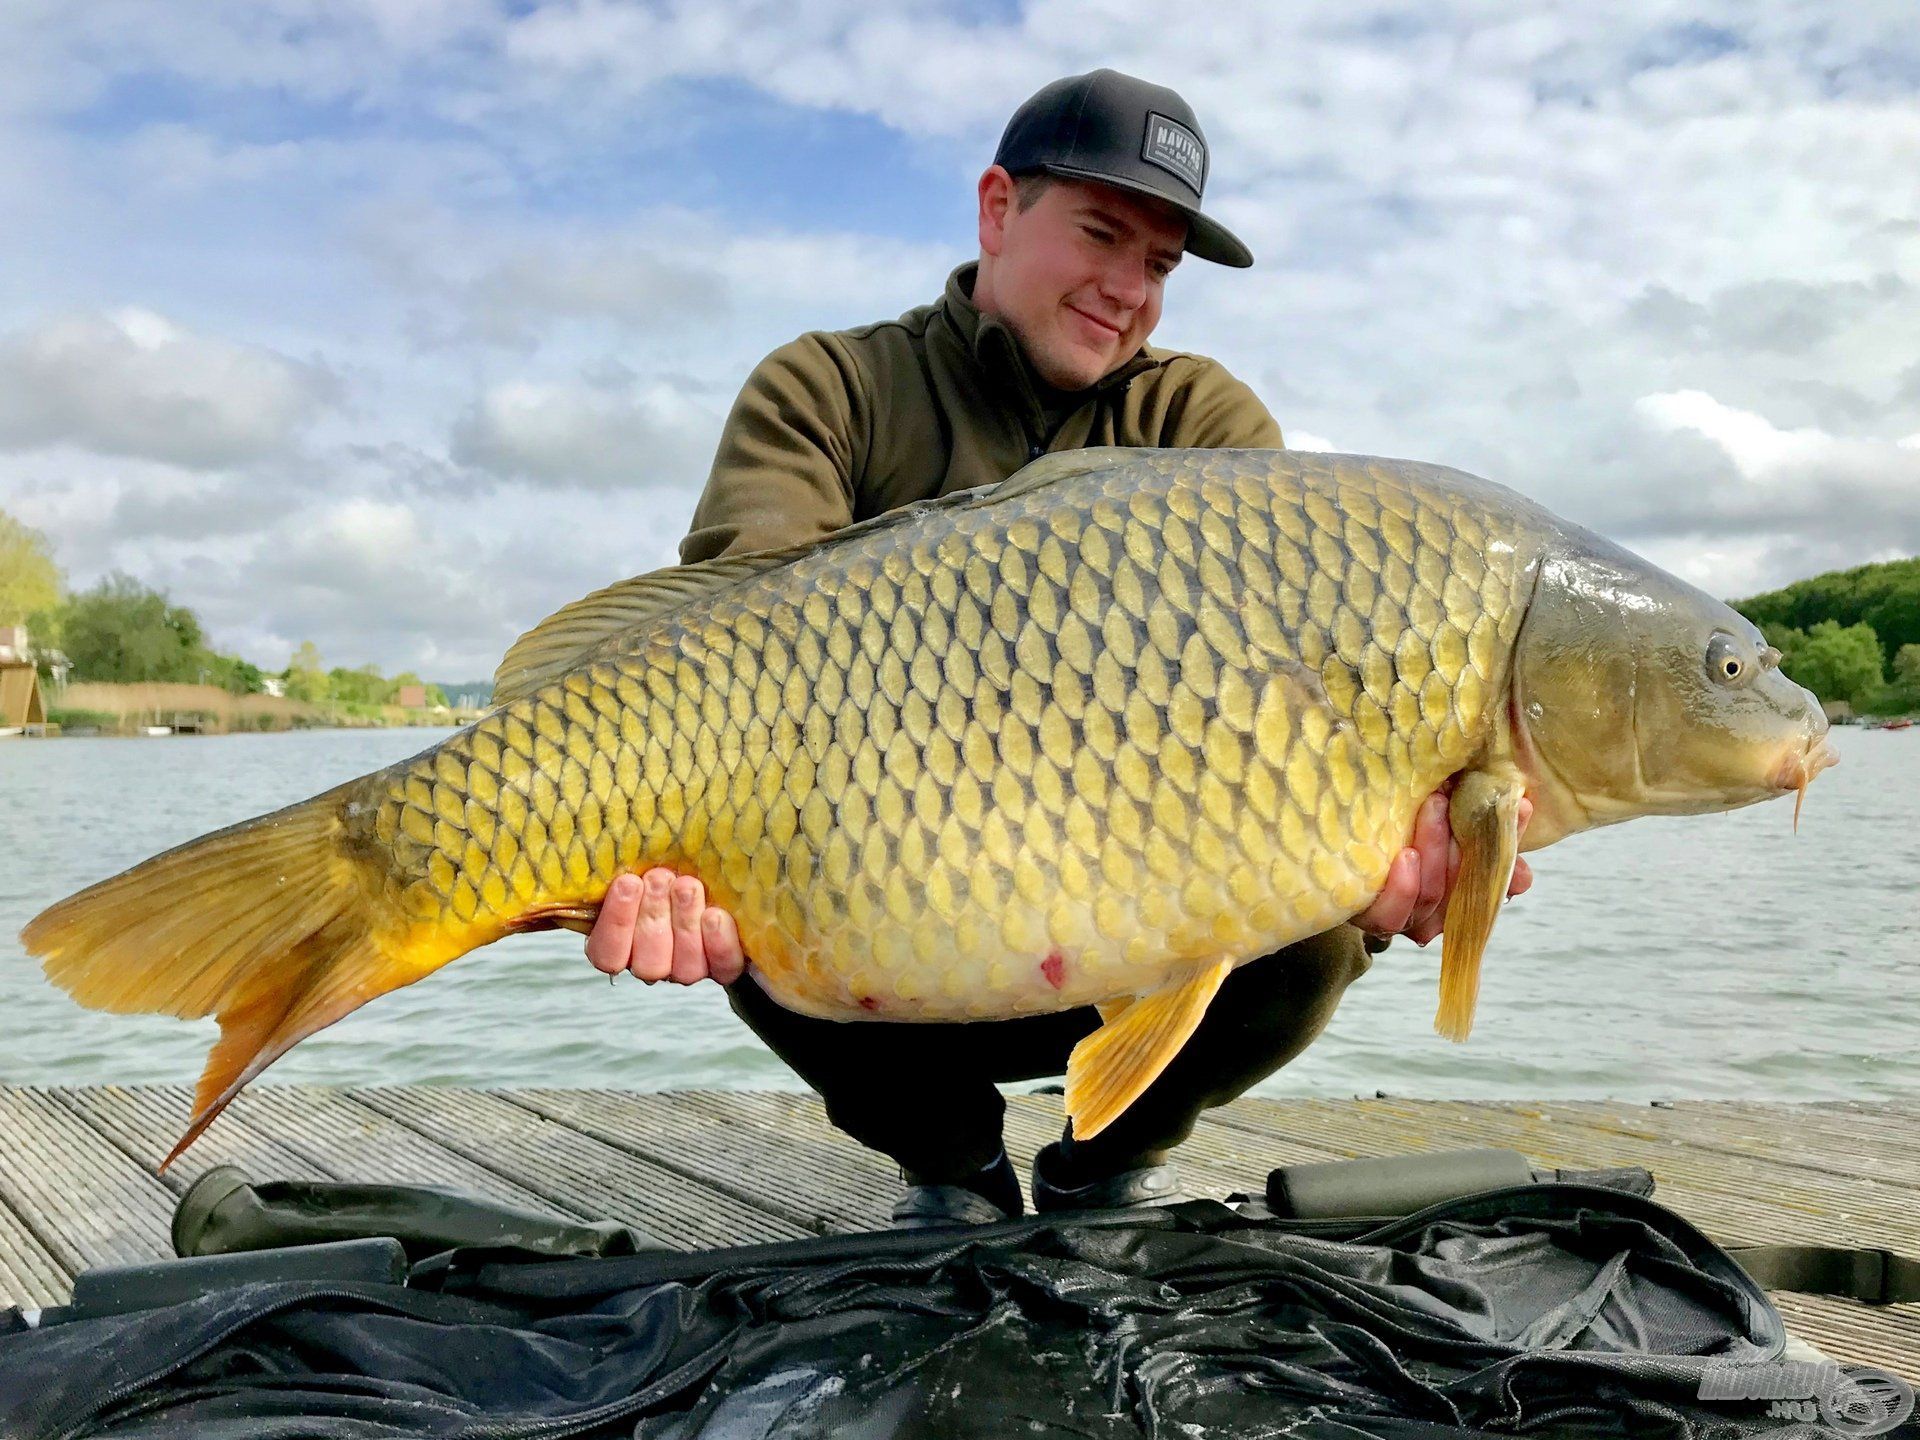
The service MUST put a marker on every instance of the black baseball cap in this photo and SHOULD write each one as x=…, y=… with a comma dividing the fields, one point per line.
x=1124, y=132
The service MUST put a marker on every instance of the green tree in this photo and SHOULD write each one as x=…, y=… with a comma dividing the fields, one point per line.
x=1836, y=662
x=234, y=675
x=121, y=630
x=1902, y=692
x=363, y=686
x=307, y=676
x=1906, y=667
x=1885, y=596
x=29, y=580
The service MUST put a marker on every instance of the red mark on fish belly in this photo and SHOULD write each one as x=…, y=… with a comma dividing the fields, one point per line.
x=1054, y=967
x=867, y=1002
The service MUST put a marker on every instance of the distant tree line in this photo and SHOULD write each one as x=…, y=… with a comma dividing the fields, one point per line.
x=307, y=679
x=1851, y=635
x=123, y=631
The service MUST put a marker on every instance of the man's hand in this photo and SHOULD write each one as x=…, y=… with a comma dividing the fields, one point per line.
x=1413, y=902
x=658, y=926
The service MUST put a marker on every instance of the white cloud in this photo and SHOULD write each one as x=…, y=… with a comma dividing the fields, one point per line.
x=1791, y=502
x=603, y=430
x=131, y=382
x=1802, y=463
x=706, y=298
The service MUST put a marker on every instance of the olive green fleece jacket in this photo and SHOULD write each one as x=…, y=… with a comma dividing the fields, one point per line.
x=841, y=425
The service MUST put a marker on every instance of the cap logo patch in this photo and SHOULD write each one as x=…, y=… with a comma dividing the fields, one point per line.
x=1175, y=148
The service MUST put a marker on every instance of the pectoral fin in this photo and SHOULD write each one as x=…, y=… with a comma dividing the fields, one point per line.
x=577, y=918
x=1111, y=1067
x=1485, y=812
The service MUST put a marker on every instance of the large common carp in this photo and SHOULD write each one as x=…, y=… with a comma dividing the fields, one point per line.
x=1095, y=735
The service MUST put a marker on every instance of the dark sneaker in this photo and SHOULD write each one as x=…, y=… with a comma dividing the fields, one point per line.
x=989, y=1195
x=925, y=1206
x=1130, y=1189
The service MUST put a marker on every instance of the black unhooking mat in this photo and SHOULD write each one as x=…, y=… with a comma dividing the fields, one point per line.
x=1558, y=1310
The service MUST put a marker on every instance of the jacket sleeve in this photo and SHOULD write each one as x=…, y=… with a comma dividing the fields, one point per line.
x=783, y=473
x=1218, y=411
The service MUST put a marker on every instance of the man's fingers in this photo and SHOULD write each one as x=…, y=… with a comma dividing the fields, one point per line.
x=1391, y=907
x=1431, y=834
x=726, y=962
x=612, y=938
x=1522, y=879
x=689, y=949
x=652, y=957
x=1522, y=872
x=1425, y=927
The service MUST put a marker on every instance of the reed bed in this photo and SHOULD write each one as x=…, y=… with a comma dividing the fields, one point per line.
x=206, y=707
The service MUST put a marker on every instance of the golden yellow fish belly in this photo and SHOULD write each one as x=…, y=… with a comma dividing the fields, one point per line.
x=1009, y=757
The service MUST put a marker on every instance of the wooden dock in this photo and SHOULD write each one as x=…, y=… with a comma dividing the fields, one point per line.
x=704, y=1168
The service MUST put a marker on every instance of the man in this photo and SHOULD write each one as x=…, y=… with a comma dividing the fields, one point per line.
x=1092, y=199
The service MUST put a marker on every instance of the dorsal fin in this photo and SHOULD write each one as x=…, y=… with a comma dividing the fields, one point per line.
x=561, y=641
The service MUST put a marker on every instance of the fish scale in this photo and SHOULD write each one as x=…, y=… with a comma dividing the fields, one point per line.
x=1155, y=713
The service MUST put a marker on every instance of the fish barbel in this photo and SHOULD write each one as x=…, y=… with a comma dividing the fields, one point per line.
x=1095, y=735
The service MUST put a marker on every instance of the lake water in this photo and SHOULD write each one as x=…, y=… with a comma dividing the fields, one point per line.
x=1716, y=956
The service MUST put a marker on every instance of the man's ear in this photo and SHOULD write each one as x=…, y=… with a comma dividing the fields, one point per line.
x=996, y=203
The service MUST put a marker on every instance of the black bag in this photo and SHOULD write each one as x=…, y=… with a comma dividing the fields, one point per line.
x=1552, y=1309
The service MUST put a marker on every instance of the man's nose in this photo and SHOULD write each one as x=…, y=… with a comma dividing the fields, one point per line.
x=1124, y=281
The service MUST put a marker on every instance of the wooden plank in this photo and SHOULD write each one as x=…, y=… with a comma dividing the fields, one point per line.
x=143, y=1122
x=30, y=1276
x=1807, y=1142
x=822, y=1189
x=1856, y=1334
x=89, y=1204
x=1885, y=1134
x=333, y=1130
x=560, y=1164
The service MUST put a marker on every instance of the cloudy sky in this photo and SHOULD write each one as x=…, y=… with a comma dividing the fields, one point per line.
x=395, y=324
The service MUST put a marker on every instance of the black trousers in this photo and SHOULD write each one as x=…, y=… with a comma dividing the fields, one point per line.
x=924, y=1094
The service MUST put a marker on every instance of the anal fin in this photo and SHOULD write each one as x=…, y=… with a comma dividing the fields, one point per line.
x=1110, y=1068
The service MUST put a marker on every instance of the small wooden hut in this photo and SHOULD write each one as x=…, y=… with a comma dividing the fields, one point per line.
x=21, y=704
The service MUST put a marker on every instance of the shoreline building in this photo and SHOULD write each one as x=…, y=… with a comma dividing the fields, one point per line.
x=22, y=707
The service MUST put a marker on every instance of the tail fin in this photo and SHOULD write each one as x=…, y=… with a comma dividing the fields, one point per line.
x=270, y=925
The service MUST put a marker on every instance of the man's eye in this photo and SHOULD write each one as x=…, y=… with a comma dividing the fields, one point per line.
x=1101, y=235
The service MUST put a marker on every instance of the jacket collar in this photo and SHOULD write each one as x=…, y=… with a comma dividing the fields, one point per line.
x=998, y=351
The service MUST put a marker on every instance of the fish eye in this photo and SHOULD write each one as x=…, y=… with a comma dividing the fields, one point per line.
x=1726, y=662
